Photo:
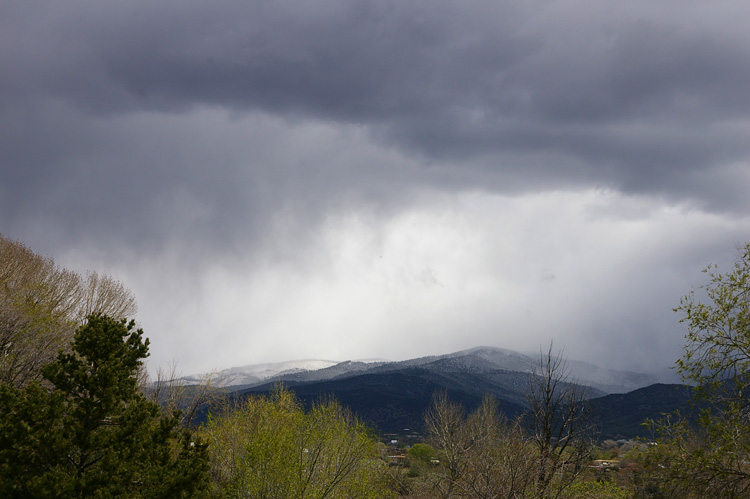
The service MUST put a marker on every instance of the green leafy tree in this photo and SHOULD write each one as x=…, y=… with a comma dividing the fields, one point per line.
x=712, y=459
x=93, y=433
x=717, y=350
x=269, y=447
x=422, y=452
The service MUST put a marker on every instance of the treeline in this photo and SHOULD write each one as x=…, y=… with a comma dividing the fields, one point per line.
x=82, y=421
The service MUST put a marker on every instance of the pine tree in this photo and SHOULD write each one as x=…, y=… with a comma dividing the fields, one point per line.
x=89, y=431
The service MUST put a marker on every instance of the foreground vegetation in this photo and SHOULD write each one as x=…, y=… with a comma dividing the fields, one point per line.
x=42, y=304
x=83, y=423
x=270, y=447
x=88, y=431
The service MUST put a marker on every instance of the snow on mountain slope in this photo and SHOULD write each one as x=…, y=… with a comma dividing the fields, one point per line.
x=258, y=373
x=475, y=360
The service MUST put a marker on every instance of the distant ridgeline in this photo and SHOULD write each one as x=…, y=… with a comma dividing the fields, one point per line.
x=393, y=396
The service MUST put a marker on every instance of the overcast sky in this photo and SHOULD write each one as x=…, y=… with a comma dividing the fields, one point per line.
x=344, y=179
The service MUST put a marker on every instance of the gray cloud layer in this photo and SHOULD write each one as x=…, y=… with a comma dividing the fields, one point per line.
x=617, y=92
x=226, y=128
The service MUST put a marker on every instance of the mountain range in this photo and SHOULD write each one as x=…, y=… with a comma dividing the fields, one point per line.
x=393, y=396
x=476, y=360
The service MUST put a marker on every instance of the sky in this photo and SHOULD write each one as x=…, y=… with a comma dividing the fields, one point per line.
x=349, y=179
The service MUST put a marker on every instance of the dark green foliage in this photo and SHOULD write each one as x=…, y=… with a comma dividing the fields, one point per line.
x=92, y=433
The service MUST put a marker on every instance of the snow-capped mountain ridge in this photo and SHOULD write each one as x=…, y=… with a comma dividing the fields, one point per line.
x=259, y=373
x=478, y=359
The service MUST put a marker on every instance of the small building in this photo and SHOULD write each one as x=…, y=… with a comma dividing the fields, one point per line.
x=605, y=464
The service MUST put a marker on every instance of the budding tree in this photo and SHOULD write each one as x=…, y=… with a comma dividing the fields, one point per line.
x=270, y=447
x=42, y=304
x=713, y=459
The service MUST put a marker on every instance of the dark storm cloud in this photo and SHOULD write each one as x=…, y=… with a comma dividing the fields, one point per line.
x=278, y=172
x=634, y=96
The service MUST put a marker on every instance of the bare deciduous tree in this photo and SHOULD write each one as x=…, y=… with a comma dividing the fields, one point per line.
x=42, y=304
x=173, y=394
x=102, y=294
x=501, y=462
x=447, y=431
x=481, y=456
x=558, y=410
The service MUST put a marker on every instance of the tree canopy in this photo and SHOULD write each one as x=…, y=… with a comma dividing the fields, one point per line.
x=42, y=304
x=270, y=447
x=712, y=459
x=93, y=433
